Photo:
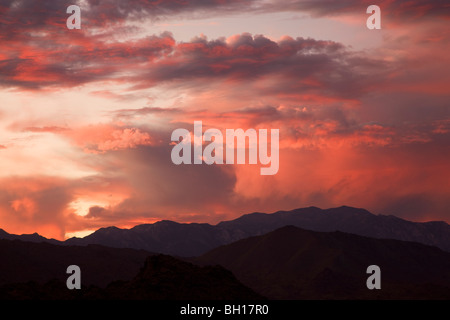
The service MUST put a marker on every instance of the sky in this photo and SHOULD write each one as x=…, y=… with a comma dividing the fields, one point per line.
x=86, y=116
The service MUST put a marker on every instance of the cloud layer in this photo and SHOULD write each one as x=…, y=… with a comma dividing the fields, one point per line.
x=86, y=116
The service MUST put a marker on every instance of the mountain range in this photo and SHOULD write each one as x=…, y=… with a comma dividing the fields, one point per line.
x=194, y=239
x=288, y=263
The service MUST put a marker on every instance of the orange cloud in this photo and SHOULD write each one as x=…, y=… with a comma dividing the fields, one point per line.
x=34, y=204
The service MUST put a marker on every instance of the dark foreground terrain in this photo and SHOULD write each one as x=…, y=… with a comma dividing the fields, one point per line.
x=161, y=278
x=286, y=264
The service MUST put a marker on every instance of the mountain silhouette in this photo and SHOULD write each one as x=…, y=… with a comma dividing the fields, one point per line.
x=193, y=239
x=292, y=263
x=345, y=219
x=35, y=237
x=165, y=237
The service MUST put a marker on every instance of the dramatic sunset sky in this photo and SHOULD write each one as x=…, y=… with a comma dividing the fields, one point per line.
x=86, y=115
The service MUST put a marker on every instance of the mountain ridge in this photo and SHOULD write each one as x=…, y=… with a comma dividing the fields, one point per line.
x=193, y=239
x=292, y=263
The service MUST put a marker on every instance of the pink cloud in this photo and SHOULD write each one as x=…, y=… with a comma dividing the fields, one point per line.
x=101, y=138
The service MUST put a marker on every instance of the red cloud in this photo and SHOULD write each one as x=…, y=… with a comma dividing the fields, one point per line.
x=368, y=129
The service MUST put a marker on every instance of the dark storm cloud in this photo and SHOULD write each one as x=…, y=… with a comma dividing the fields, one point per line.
x=299, y=65
x=162, y=189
